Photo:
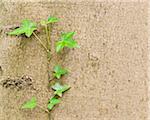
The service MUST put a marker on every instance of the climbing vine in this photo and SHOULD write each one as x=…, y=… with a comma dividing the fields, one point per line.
x=29, y=28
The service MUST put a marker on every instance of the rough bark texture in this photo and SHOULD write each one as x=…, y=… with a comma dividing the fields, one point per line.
x=108, y=74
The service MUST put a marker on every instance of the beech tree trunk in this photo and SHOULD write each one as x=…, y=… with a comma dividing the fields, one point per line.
x=108, y=73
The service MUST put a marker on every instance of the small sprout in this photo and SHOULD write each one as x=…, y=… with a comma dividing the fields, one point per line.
x=59, y=71
x=31, y=104
x=27, y=27
x=52, y=102
x=66, y=41
x=59, y=89
x=49, y=20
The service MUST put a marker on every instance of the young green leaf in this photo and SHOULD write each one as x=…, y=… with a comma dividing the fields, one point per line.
x=68, y=35
x=59, y=89
x=66, y=41
x=49, y=20
x=52, y=19
x=52, y=102
x=59, y=71
x=27, y=27
x=30, y=104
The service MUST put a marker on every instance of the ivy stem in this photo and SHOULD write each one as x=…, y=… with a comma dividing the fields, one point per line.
x=45, y=110
x=49, y=116
x=48, y=36
x=49, y=47
x=48, y=56
x=40, y=41
x=52, y=79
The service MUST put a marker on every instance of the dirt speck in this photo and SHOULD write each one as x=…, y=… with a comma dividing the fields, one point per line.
x=19, y=84
x=116, y=106
x=1, y=70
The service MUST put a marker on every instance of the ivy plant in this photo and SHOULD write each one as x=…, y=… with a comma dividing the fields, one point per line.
x=28, y=28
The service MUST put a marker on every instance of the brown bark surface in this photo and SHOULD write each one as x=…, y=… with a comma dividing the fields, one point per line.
x=108, y=73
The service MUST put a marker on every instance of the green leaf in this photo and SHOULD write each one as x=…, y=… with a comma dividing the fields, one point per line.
x=52, y=102
x=30, y=104
x=59, y=89
x=66, y=41
x=68, y=35
x=59, y=71
x=52, y=19
x=27, y=27
x=49, y=20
